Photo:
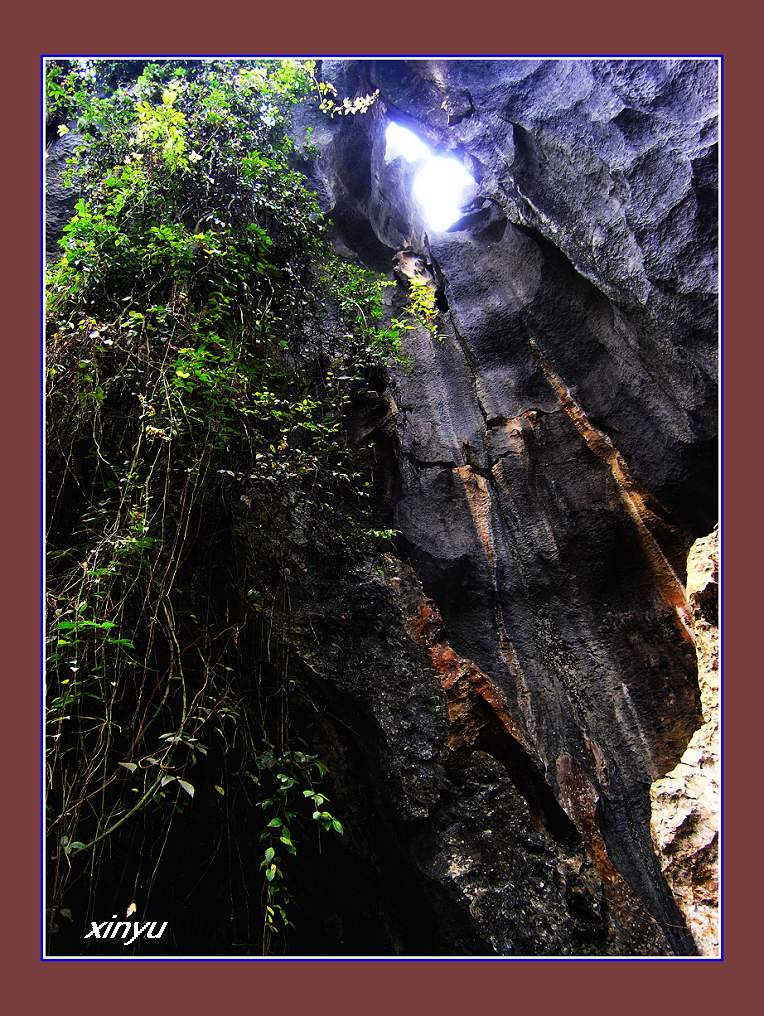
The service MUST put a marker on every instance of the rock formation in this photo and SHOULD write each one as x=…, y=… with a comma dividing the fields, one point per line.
x=554, y=461
x=686, y=802
x=498, y=698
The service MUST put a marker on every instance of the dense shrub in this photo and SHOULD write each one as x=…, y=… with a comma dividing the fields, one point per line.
x=204, y=343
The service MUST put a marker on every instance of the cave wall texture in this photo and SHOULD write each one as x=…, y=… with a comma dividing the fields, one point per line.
x=554, y=460
x=498, y=698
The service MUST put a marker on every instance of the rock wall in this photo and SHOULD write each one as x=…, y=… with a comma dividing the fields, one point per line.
x=554, y=459
x=686, y=803
x=59, y=199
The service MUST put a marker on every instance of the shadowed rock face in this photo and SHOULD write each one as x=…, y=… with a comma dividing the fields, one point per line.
x=59, y=199
x=555, y=460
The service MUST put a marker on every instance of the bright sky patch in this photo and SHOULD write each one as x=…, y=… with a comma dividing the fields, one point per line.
x=441, y=183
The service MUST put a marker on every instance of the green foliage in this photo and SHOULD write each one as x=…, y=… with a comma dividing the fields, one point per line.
x=294, y=778
x=348, y=106
x=204, y=346
x=66, y=89
x=422, y=307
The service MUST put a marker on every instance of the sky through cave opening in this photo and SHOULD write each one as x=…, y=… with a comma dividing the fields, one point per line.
x=441, y=183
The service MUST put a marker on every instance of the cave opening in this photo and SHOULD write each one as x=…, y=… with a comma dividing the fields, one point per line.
x=441, y=184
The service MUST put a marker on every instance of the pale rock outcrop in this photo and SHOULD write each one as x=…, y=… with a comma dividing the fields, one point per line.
x=686, y=802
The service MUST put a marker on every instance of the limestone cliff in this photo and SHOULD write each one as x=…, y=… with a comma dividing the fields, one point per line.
x=686, y=802
x=553, y=459
x=499, y=695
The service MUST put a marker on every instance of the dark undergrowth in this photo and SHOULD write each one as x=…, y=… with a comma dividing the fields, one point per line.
x=204, y=347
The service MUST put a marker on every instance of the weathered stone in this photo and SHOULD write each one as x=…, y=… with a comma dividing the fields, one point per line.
x=607, y=169
x=59, y=199
x=686, y=802
x=555, y=459
x=448, y=783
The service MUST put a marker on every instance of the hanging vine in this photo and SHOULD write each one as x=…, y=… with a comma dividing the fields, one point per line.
x=204, y=344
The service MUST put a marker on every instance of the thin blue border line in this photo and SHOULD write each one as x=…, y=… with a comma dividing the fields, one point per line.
x=42, y=511
x=383, y=959
x=381, y=56
x=721, y=510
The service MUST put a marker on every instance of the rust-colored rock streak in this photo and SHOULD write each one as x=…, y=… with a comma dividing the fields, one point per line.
x=457, y=677
x=579, y=798
x=478, y=495
x=634, y=500
x=461, y=680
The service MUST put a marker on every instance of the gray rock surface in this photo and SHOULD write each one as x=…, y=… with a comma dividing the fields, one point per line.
x=59, y=199
x=556, y=456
